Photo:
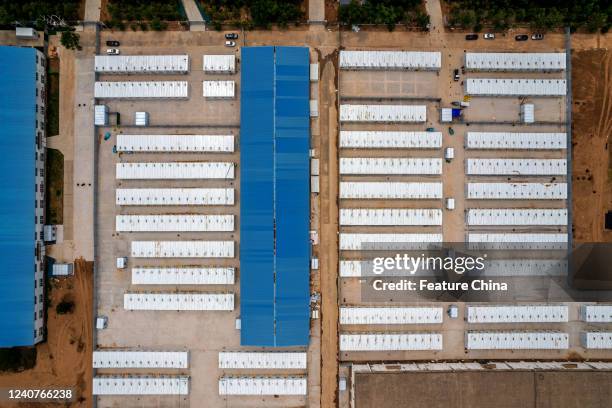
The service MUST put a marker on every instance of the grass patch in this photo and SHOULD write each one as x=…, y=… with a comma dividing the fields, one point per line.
x=53, y=91
x=55, y=186
x=17, y=358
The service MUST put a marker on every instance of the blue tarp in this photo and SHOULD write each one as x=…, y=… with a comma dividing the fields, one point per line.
x=17, y=144
x=275, y=247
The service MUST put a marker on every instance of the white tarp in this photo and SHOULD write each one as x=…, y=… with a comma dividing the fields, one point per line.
x=516, y=216
x=178, y=301
x=219, y=64
x=516, y=141
x=262, y=360
x=218, y=89
x=517, y=314
x=358, y=242
x=391, y=315
x=517, y=191
x=383, y=113
x=516, y=167
x=515, y=87
x=393, y=166
x=174, y=196
x=390, y=190
x=516, y=340
x=409, y=60
x=263, y=386
x=515, y=61
x=175, y=143
x=182, y=249
x=390, y=216
x=195, y=275
x=174, y=223
x=142, y=64
x=132, y=385
x=390, y=341
x=600, y=340
x=142, y=90
x=175, y=170
x=140, y=359
x=389, y=140
x=596, y=313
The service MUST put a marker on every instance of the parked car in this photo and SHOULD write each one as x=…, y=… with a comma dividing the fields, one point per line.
x=456, y=74
x=231, y=36
x=471, y=37
x=430, y=129
x=489, y=36
x=521, y=37
x=112, y=51
x=112, y=43
x=537, y=36
x=230, y=43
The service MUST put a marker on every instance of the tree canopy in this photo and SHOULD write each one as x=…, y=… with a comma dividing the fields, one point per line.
x=387, y=12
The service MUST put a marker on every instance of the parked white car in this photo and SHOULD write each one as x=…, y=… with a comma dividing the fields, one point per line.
x=489, y=36
x=230, y=43
x=113, y=51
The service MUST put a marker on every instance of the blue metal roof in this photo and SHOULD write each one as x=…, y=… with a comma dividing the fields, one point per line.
x=275, y=201
x=17, y=144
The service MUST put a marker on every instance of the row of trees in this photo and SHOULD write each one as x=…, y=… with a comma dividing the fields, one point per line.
x=253, y=13
x=592, y=15
x=143, y=14
x=387, y=12
x=33, y=11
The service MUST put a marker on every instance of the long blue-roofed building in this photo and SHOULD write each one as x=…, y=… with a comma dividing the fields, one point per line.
x=275, y=197
x=22, y=142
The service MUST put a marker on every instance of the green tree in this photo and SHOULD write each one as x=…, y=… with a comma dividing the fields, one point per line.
x=70, y=40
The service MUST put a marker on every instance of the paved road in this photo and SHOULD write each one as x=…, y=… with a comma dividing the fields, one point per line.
x=92, y=10
x=196, y=21
x=316, y=11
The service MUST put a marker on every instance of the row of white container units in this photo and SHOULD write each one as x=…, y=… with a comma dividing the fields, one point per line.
x=390, y=166
x=516, y=191
x=516, y=217
x=141, y=64
x=141, y=385
x=383, y=113
x=515, y=61
x=517, y=314
x=175, y=143
x=516, y=141
x=390, y=217
x=175, y=171
x=183, y=275
x=390, y=315
x=390, y=241
x=390, y=60
x=182, y=249
x=516, y=167
x=271, y=386
x=390, y=190
x=219, y=89
x=140, y=359
x=516, y=340
x=515, y=87
x=390, y=140
x=219, y=64
x=260, y=360
x=174, y=223
x=174, y=196
x=141, y=90
x=179, y=301
x=518, y=241
x=351, y=268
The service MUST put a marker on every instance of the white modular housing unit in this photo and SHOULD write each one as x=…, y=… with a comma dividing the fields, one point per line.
x=314, y=108
x=176, y=143
x=390, y=166
x=515, y=61
x=142, y=90
x=350, y=139
x=516, y=141
x=263, y=385
x=26, y=33
x=516, y=216
x=525, y=241
x=142, y=64
x=383, y=113
x=516, y=340
x=528, y=113
x=596, y=313
x=601, y=340
x=182, y=249
x=391, y=315
x=365, y=267
x=219, y=89
x=174, y=196
x=515, y=87
x=196, y=275
x=525, y=267
x=140, y=359
x=261, y=360
x=174, y=223
x=176, y=170
x=516, y=167
x=517, y=314
x=219, y=64
x=100, y=115
x=390, y=342
x=178, y=301
x=314, y=72
x=141, y=385
x=517, y=191
x=351, y=269
x=390, y=216
x=358, y=242
x=387, y=60
x=141, y=119
x=390, y=190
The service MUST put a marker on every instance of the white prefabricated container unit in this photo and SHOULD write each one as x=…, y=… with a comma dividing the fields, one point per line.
x=516, y=141
x=350, y=139
x=387, y=60
x=219, y=89
x=141, y=118
x=141, y=385
x=100, y=115
x=219, y=64
x=174, y=196
x=142, y=64
x=141, y=90
x=515, y=61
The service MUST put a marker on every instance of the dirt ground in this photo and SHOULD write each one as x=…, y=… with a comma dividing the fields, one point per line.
x=592, y=125
x=64, y=359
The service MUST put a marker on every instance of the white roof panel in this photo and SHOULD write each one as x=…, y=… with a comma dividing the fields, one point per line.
x=391, y=315
x=175, y=196
x=517, y=314
x=263, y=385
x=390, y=140
x=516, y=167
x=176, y=170
x=219, y=63
x=182, y=249
x=174, y=223
x=218, y=89
x=516, y=340
x=358, y=242
x=140, y=359
x=132, y=385
x=393, y=166
x=182, y=276
x=390, y=190
x=262, y=360
x=390, y=216
x=142, y=64
x=178, y=301
x=175, y=143
x=601, y=340
x=383, y=113
x=516, y=141
x=141, y=90
x=517, y=191
x=390, y=341
x=409, y=60
x=596, y=313
x=516, y=216
x=515, y=87
x=518, y=240
x=515, y=61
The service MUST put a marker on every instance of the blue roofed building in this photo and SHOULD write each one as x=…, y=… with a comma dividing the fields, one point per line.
x=22, y=142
